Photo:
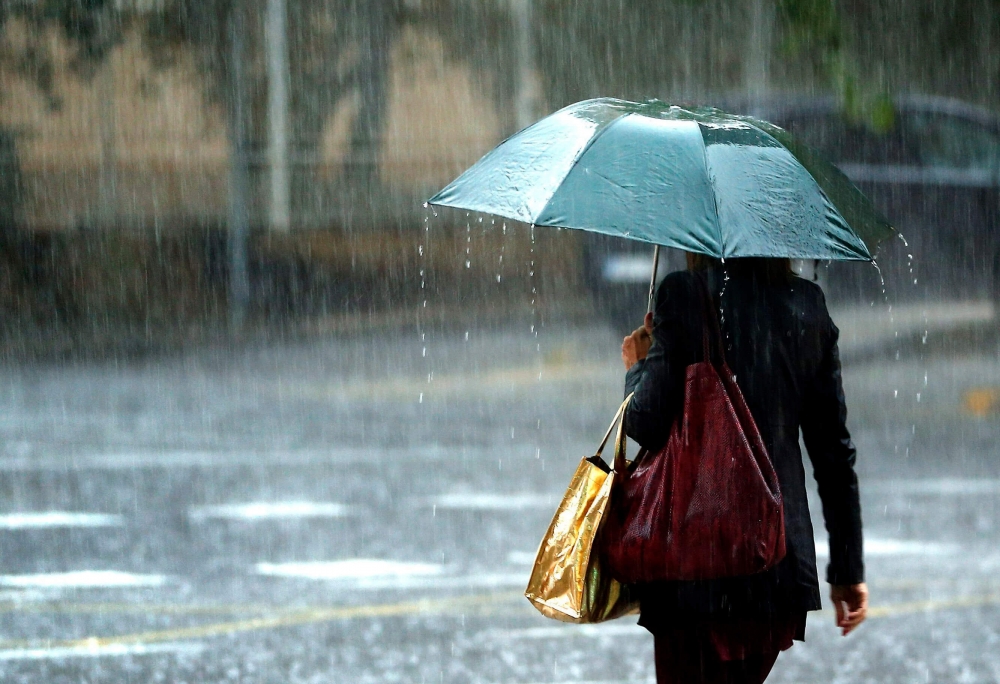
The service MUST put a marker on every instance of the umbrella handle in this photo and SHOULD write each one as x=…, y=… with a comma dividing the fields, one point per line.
x=652, y=281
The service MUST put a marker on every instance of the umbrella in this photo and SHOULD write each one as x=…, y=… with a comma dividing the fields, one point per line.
x=700, y=180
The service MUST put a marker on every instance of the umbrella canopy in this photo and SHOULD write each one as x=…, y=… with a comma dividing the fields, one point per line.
x=699, y=180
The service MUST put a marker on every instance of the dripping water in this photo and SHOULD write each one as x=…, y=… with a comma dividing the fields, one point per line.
x=503, y=247
x=422, y=271
x=913, y=280
x=539, y=362
x=468, y=241
x=531, y=282
x=722, y=309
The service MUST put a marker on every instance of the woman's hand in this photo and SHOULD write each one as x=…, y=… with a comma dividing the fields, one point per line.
x=636, y=346
x=851, y=603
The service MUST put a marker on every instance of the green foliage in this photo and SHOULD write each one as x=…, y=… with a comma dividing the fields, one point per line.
x=813, y=26
x=814, y=31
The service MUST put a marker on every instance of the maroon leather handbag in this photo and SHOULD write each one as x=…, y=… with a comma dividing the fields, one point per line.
x=707, y=505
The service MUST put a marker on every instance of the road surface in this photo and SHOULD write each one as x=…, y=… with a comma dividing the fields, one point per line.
x=366, y=509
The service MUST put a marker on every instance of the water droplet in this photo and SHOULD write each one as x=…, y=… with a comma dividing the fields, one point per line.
x=468, y=263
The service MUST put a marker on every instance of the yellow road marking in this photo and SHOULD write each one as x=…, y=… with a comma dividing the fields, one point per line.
x=289, y=618
x=298, y=617
x=895, y=609
x=121, y=608
x=450, y=384
x=981, y=401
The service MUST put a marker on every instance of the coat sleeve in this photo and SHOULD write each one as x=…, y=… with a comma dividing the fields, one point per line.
x=658, y=381
x=824, y=431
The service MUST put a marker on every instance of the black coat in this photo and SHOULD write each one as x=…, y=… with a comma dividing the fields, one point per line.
x=782, y=346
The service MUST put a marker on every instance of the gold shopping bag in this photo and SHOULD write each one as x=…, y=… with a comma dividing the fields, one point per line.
x=567, y=582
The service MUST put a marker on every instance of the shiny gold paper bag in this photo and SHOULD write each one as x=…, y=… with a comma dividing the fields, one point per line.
x=567, y=582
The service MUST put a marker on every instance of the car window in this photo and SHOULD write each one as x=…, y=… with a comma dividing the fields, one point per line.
x=955, y=142
x=848, y=143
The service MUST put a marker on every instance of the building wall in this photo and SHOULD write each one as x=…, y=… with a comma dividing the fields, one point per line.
x=140, y=146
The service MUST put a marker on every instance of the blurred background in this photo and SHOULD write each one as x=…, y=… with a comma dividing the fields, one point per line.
x=172, y=166
x=264, y=417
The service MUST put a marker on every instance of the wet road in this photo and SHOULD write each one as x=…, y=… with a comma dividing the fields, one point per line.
x=364, y=510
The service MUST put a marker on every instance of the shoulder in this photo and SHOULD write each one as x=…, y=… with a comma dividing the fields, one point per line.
x=809, y=304
x=809, y=293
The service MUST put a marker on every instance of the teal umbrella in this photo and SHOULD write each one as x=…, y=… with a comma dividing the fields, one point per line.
x=699, y=179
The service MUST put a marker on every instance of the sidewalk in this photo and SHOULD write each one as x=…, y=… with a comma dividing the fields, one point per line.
x=865, y=331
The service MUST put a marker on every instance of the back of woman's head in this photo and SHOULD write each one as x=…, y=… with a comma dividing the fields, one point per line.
x=765, y=269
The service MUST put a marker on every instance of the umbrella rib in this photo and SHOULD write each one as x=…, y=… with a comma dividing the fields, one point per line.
x=576, y=160
x=715, y=195
x=752, y=123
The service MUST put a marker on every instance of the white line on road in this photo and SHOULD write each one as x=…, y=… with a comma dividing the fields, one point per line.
x=599, y=681
x=494, y=502
x=522, y=557
x=102, y=651
x=944, y=486
x=363, y=573
x=48, y=519
x=351, y=569
x=896, y=547
x=82, y=579
x=265, y=510
x=566, y=632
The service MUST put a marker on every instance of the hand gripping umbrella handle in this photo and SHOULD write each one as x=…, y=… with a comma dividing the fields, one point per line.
x=652, y=281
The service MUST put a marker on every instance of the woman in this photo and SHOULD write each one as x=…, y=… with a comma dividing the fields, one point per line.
x=782, y=346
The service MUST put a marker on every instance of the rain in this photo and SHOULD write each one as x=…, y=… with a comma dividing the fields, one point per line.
x=270, y=414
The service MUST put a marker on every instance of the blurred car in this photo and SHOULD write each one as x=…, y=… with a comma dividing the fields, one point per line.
x=933, y=170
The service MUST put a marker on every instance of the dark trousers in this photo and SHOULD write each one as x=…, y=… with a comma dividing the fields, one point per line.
x=682, y=660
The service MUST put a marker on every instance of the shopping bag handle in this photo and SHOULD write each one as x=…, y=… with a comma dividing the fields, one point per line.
x=618, y=420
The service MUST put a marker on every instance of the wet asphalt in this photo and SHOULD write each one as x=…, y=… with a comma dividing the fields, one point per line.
x=366, y=509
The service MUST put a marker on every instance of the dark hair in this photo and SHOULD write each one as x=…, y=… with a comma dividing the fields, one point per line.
x=768, y=269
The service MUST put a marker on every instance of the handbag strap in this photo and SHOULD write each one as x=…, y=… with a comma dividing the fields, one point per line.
x=618, y=420
x=619, y=465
